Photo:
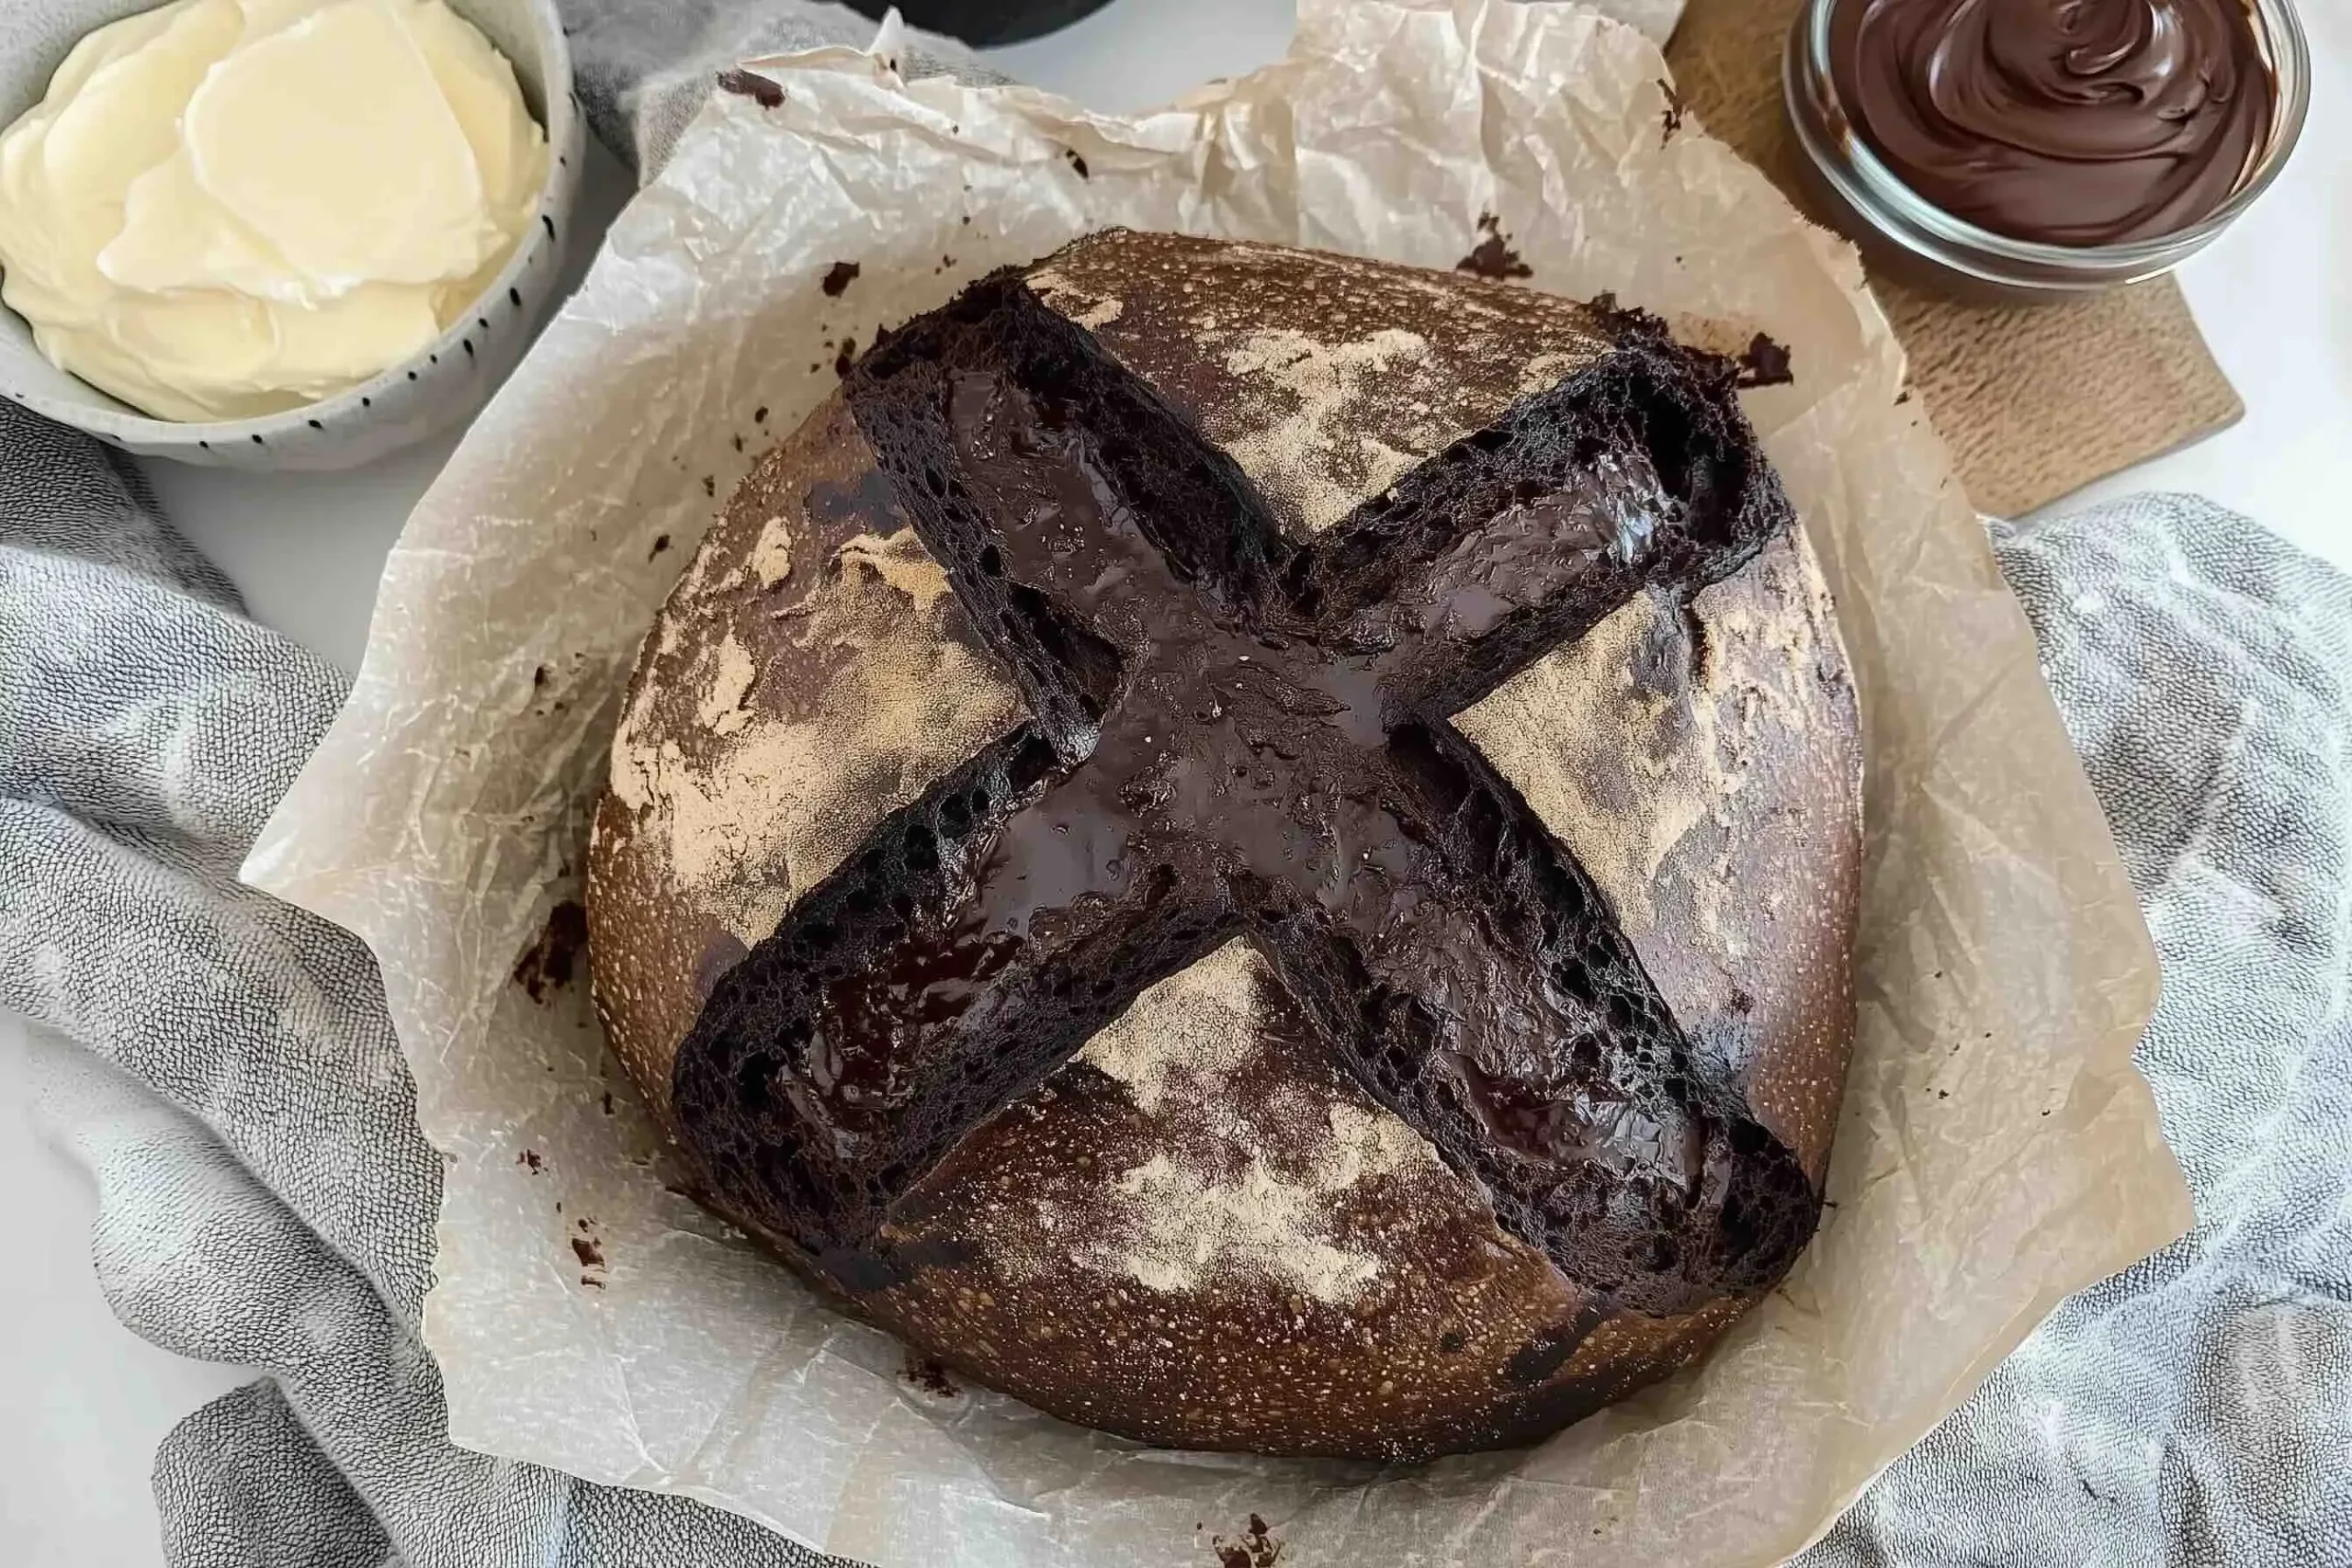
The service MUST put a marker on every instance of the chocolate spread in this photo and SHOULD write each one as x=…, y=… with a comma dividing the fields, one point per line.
x=2071, y=122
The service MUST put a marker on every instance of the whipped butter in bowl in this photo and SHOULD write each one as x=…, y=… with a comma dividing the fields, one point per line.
x=225, y=213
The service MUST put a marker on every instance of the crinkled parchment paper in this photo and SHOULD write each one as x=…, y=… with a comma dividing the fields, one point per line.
x=1996, y=1150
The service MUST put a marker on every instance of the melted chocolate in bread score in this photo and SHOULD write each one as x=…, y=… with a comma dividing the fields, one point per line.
x=1233, y=732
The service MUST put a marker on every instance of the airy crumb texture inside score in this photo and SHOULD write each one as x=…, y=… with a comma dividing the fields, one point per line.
x=225, y=209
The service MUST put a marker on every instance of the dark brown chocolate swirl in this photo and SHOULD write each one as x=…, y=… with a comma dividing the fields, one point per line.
x=2072, y=122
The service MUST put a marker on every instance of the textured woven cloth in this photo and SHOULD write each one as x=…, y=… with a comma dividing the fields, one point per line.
x=223, y=1066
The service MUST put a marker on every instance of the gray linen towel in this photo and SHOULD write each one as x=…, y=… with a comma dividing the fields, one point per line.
x=223, y=1066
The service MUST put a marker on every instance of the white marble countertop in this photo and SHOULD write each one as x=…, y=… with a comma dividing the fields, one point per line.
x=87, y=1401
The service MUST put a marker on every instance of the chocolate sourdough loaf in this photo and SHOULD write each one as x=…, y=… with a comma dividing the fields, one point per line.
x=1255, y=848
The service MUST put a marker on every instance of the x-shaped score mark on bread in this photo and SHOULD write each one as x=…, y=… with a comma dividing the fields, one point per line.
x=1235, y=733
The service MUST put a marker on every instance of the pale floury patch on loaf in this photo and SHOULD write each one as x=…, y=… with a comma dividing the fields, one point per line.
x=1315, y=454
x=1083, y=306
x=1546, y=371
x=1187, y=1229
x=901, y=561
x=771, y=562
x=1212, y=1204
x=1325, y=387
x=1618, y=771
x=1185, y=1035
x=722, y=710
x=1304, y=438
x=774, y=800
x=1626, y=742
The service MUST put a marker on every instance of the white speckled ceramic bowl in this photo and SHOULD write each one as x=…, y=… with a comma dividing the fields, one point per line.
x=438, y=388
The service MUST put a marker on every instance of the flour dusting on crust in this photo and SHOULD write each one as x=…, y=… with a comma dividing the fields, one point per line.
x=1309, y=455
x=1240, y=1185
x=1187, y=1228
x=753, y=821
x=1636, y=747
x=1083, y=306
x=1198, y=1024
x=722, y=710
x=771, y=562
x=1626, y=742
x=1611, y=761
x=1324, y=386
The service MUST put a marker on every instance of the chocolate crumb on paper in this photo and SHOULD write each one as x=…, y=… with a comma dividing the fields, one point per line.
x=752, y=86
x=846, y=358
x=548, y=963
x=1076, y=162
x=930, y=1375
x=838, y=278
x=1493, y=257
x=530, y=1158
x=585, y=1247
x=1676, y=107
x=661, y=543
x=1764, y=362
x=1258, y=1546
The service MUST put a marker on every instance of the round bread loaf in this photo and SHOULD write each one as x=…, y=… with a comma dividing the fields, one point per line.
x=1257, y=849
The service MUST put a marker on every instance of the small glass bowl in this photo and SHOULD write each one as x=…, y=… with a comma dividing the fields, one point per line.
x=1907, y=236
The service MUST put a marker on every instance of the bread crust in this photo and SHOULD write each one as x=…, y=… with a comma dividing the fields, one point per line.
x=1202, y=1231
